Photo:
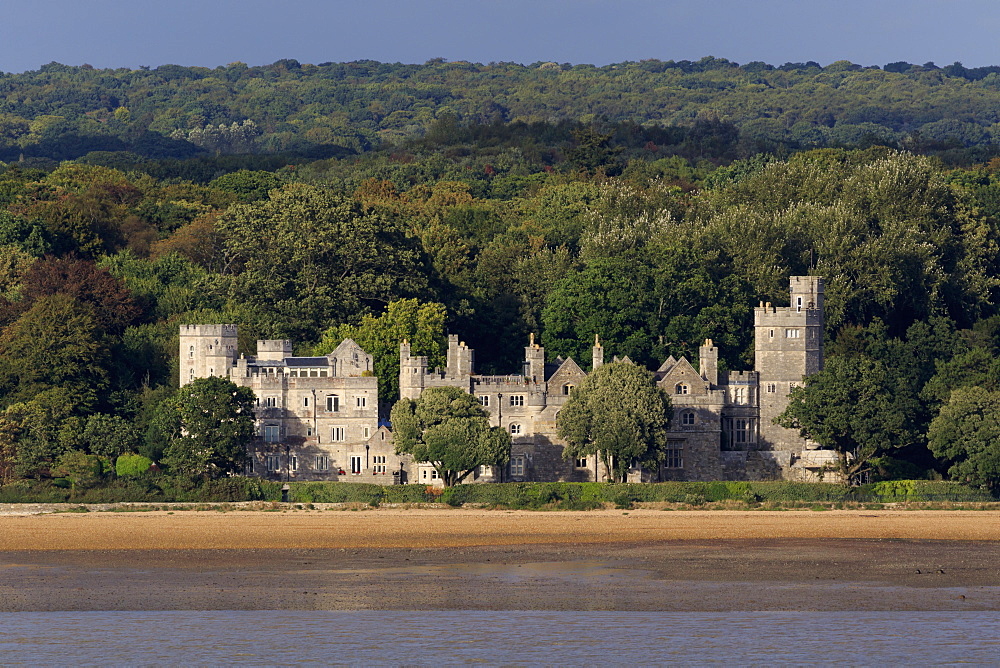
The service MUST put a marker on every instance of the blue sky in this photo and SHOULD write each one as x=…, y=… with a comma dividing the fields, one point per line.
x=119, y=33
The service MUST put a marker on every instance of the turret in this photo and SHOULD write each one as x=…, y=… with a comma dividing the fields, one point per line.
x=412, y=372
x=460, y=358
x=708, y=362
x=534, y=361
x=597, y=354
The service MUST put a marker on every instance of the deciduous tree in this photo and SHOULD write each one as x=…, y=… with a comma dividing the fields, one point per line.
x=448, y=428
x=618, y=414
x=217, y=424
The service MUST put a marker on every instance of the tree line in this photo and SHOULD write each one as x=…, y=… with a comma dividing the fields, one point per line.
x=495, y=231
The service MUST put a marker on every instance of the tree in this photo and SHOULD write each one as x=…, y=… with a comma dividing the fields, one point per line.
x=55, y=344
x=966, y=433
x=110, y=435
x=852, y=406
x=423, y=325
x=217, y=424
x=321, y=257
x=81, y=469
x=618, y=414
x=448, y=428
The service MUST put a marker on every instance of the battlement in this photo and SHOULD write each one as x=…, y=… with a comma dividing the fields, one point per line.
x=743, y=377
x=208, y=330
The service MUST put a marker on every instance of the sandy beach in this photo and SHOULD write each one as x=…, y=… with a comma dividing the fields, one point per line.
x=502, y=560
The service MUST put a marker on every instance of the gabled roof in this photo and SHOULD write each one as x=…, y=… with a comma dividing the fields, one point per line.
x=683, y=371
x=568, y=371
x=347, y=345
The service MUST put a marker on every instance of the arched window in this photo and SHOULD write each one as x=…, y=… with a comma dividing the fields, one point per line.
x=515, y=429
x=681, y=388
x=191, y=352
x=687, y=418
x=567, y=388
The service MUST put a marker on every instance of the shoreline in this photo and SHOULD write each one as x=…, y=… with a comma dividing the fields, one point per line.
x=456, y=559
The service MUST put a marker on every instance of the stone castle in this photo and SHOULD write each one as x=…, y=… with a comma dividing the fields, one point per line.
x=318, y=417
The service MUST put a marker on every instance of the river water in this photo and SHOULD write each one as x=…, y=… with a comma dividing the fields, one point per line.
x=526, y=638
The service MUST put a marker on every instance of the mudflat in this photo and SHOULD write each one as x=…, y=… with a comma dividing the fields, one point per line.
x=428, y=559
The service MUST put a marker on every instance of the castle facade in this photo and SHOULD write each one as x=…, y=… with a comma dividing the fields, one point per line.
x=317, y=417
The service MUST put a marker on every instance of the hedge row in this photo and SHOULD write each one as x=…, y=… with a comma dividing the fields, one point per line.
x=514, y=495
x=143, y=490
x=592, y=494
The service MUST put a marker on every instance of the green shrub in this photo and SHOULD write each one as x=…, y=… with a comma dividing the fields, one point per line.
x=130, y=465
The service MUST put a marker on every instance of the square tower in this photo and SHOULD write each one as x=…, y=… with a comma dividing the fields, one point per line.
x=206, y=350
x=788, y=346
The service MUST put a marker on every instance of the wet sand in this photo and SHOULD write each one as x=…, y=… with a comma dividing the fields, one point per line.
x=502, y=560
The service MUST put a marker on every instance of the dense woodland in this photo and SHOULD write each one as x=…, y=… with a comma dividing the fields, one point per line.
x=651, y=203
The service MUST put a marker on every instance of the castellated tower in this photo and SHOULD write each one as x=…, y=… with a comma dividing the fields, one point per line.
x=206, y=350
x=788, y=346
x=534, y=361
x=412, y=372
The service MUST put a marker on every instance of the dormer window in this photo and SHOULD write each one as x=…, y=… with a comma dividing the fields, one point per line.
x=567, y=388
x=682, y=388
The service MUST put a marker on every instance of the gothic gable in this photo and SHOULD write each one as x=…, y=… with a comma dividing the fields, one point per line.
x=350, y=359
x=568, y=373
x=682, y=379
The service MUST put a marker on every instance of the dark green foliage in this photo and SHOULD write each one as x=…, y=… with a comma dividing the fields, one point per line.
x=214, y=421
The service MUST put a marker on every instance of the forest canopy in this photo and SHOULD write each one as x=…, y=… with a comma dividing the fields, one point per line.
x=652, y=204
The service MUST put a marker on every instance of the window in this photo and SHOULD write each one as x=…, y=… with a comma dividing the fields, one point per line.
x=675, y=455
x=249, y=467
x=432, y=473
x=567, y=388
x=305, y=402
x=293, y=463
x=378, y=463
x=517, y=465
x=355, y=464
x=681, y=388
x=517, y=400
x=211, y=372
x=338, y=434
x=360, y=402
x=581, y=462
x=687, y=418
x=791, y=333
x=332, y=403
x=792, y=386
x=484, y=400
x=772, y=333
x=270, y=402
x=515, y=429
x=771, y=388
x=309, y=431
x=322, y=463
x=743, y=431
x=798, y=304
x=191, y=375
x=272, y=463
x=191, y=352
x=739, y=395
x=366, y=431
x=272, y=433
